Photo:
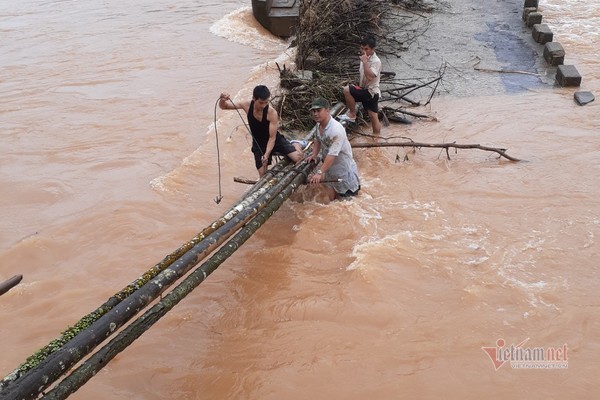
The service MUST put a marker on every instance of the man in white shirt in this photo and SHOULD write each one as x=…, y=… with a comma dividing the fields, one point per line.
x=331, y=141
x=368, y=92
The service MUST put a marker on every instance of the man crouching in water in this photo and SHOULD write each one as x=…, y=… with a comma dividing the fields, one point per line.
x=263, y=121
x=338, y=163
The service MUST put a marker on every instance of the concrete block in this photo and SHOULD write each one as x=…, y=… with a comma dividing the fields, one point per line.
x=554, y=54
x=527, y=11
x=541, y=33
x=567, y=75
x=291, y=79
x=531, y=3
x=533, y=18
x=303, y=75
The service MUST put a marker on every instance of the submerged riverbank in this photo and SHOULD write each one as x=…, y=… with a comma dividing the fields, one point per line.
x=472, y=43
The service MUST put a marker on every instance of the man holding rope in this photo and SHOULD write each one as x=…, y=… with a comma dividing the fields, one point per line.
x=263, y=121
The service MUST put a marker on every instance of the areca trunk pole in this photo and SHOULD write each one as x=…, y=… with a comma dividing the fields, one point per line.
x=35, y=380
x=133, y=331
x=85, y=322
x=262, y=187
x=10, y=283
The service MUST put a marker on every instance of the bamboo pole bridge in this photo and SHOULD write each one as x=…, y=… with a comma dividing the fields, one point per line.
x=50, y=372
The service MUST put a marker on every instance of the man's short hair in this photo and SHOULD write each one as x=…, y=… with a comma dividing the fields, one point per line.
x=261, y=92
x=368, y=40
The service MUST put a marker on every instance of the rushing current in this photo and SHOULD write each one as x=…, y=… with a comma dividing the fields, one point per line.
x=108, y=163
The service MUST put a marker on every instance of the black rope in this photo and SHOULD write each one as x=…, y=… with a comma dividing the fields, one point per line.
x=236, y=108
x=219, y=197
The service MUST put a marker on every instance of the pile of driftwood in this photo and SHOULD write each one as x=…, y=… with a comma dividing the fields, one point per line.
x=327, y=45
x=327, y=59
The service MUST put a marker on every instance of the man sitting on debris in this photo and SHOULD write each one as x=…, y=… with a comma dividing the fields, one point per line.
x=263, y=122
x=368, y=91
x=338, y=164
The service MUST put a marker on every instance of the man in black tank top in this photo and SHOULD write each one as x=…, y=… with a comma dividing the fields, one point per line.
x=263, y=121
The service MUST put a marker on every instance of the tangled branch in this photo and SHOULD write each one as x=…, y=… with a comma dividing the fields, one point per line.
x=327, y=39
x=446, y=146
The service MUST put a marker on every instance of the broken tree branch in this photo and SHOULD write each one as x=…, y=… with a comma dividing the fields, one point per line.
x=500, y=151
x=390, y=111
x=502, y=71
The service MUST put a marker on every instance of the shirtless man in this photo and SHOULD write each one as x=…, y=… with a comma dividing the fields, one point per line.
x=263, y=122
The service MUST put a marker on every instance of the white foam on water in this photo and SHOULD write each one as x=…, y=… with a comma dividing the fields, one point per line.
x=362, y=207
x=167, y=183
x=429, y=209
x=477, y=261
x=240, y=26
x=573, y=22
x=439, y=245
x=284, y=59
x=520, y=274
x=389, y=244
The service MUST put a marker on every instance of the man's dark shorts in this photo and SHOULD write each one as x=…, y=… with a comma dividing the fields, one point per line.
x=369, y=102
x=349, y=193
x=282, y=147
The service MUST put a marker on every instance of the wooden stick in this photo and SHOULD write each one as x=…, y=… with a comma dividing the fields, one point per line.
x=503, y=71
x=399, y=88
x=446, y=146
x=384, y=119
x=253, y=182
x=402, y=111
x=506, y=71
x=10, y=283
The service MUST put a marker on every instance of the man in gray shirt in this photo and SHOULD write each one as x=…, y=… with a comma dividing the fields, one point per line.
x=338, y=163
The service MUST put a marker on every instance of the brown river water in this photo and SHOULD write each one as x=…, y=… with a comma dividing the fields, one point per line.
x=108, y=163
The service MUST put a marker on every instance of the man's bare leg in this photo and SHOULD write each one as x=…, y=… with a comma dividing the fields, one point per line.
x=350, y=102
x=375, y=124
x=331, y=193
x=296, y=156
x=262, y=170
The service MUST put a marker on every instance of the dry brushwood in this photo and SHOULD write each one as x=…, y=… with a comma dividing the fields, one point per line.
x=327, y=39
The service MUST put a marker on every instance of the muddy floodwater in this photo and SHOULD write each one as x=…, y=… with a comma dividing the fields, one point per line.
x=419, y=288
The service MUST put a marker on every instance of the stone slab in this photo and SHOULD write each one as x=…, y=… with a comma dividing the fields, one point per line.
x=542, y=34
x=567, y=75
x=582, y=98
x=554, y=54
